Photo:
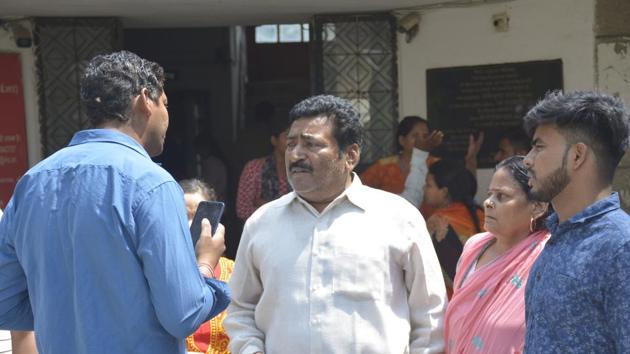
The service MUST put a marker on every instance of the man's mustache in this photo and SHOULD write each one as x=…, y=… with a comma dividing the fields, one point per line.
x=301, y=164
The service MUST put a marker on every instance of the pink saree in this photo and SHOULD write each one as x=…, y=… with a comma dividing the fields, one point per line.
x=487, y=313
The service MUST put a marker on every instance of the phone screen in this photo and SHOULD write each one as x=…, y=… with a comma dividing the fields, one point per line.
x=206, y=210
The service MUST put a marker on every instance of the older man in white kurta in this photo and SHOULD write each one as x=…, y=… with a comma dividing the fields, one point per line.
x=335, y=266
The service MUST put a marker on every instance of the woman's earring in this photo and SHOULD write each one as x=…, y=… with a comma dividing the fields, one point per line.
x=532, y=224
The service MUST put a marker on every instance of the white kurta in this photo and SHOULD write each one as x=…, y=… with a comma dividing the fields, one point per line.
x=360, y=277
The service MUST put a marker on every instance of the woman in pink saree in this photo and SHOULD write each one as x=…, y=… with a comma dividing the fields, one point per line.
x=487, y=311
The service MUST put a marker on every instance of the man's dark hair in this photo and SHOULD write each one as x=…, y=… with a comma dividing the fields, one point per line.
x=406, y=125
x=347, y=126
x=518, y=139
x=112, y=80
x=594, y=118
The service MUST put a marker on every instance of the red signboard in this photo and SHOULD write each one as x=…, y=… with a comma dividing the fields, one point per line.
x=13, y=153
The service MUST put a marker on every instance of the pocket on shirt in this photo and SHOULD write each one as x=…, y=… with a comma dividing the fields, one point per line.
x=569, y=287
x=359, y=277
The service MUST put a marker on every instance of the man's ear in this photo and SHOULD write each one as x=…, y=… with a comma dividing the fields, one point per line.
x=578, y=157
x=273, y=140
x=353, y=154
x=142, y=104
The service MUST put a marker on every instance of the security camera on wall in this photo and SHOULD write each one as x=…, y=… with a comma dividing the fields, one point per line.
x=22, y=35
x=409, y=25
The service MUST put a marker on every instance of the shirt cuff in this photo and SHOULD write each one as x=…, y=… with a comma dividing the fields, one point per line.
x=222, y=294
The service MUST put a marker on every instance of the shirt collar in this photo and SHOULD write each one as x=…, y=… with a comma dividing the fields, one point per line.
x=598, y=208
x=352, y=194
x=108, y=136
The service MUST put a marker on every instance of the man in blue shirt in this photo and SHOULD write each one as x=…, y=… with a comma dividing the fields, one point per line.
x=95, y=252
x=578, y=294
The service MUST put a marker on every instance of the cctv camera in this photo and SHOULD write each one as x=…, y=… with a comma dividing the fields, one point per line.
x=22, y=35
x=408, y=22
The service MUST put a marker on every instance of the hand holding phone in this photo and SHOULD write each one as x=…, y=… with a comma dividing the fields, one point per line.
x=206, y=210
x=209, y=249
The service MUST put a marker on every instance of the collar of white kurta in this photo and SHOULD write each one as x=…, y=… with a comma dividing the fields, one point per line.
x=352, y=194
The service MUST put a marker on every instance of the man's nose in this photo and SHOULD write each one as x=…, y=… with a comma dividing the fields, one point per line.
x=528, y=161
x=295, y=152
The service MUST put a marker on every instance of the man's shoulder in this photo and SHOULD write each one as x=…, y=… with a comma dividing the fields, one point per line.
x=621, y=218
x=110, y=158
x=595, y=242
x=273, y=207
x=616, y=226
x=374, y=199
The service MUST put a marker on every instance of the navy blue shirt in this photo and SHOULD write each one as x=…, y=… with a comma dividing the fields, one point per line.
x=577, y=298
x=96, y=255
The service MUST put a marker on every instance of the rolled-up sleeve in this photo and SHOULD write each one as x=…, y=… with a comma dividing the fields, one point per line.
x=182, y=298
x=15, y=307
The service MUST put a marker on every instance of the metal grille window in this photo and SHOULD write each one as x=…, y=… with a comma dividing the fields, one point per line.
x=355, y=58
x=63, y=48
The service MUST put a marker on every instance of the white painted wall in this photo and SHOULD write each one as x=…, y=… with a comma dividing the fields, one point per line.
x=538, y=30
x=29, y=84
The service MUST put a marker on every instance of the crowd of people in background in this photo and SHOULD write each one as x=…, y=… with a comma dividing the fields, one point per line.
x=96, y=253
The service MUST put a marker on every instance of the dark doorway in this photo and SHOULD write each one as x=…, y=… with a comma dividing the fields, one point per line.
x=197, y=65
x=279, y=74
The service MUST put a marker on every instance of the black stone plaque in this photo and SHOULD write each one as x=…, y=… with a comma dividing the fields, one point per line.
x=488, y=98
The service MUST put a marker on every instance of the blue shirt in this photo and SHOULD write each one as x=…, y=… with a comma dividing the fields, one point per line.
x=577, y=298
x=96, y=255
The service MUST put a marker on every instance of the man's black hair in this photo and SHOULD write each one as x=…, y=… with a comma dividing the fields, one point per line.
x=110, y=82
x=594, y=118
x=347, y=126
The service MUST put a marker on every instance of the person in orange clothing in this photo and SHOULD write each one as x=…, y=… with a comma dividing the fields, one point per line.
x=405, y=172
x=450, y=190
x=209, y=338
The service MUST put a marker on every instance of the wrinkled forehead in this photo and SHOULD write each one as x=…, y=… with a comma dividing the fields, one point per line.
x=311, y=127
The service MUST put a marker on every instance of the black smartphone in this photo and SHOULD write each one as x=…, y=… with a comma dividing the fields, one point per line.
x=206, y=210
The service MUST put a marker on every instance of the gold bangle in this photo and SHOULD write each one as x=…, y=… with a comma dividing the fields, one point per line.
x=201, y=266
